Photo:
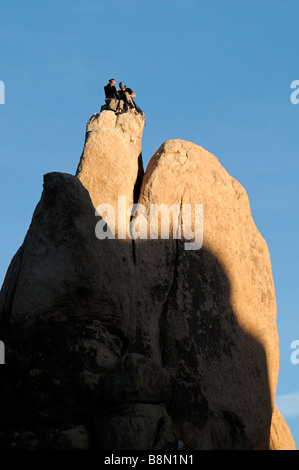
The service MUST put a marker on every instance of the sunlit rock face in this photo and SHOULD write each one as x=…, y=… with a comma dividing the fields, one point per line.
x=152, y=342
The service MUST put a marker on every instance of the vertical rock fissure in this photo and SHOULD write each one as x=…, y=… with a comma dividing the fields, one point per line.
x=133, y=250
x=136, y=194
x=138, y=182
x=171, y=292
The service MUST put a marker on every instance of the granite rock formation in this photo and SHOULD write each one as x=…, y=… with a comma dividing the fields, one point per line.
x=111, y=161
x=219, y=310
x=125, y=344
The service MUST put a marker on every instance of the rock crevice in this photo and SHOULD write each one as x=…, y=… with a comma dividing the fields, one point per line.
x=125, y=344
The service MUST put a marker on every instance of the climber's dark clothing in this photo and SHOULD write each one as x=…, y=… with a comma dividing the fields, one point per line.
x=122, y=94
x=110, y=92
x=125, y=98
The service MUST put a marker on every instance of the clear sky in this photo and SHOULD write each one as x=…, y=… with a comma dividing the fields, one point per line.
x=215, y=72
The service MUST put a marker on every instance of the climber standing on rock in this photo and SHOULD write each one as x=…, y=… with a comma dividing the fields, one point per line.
x=126, y=96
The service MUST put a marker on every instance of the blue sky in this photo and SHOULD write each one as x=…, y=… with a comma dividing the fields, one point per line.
x=217, y=73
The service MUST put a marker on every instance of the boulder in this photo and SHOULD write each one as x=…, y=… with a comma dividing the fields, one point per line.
x=66, y=316
x=281, y=437
x=111, y=163
x=213, y=307
x=63, y=272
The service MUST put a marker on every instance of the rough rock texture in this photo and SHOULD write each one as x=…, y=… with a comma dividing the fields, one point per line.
x=63, y=272
x=122, y=345
x=218, y=310
x=281, y=437
x=111, y=162
x=66, y=317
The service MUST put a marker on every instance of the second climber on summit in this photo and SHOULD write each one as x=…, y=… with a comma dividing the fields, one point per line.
x=126, y=96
